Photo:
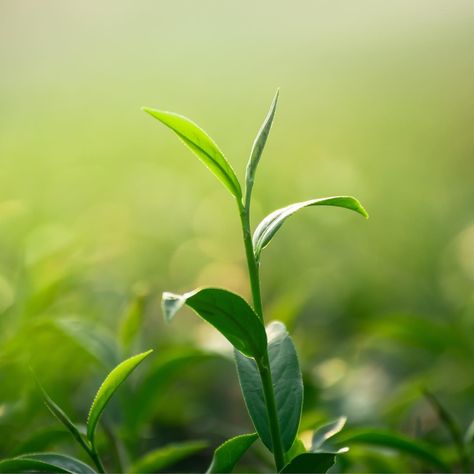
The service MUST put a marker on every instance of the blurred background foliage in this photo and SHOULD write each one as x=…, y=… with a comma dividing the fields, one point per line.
x=101, y=210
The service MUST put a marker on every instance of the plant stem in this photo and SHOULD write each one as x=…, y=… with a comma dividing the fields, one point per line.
x=94, y=455
x=264, y=363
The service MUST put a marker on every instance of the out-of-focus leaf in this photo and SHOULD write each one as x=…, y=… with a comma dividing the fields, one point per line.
x=229, y=313
x=270, y=224
x=325, y=432
x=162, y=458
x=395, y=441
x=108, y=388
x=310, y=463
x=202, y=145
x=45, y=462
x=228, y=454
x=132, y=318
x=469, y=436
x=287, y=382
x=41, y=440
x=296, y=449
x=257, y=149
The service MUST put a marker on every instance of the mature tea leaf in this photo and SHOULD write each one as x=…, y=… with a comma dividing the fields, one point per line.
x=270, y=224
x=45, y=462
x=287, y=383
x=310, y=463
x=228, y=454
x=202, y=145
x=229, y=313
x=28, y=465
x=257, y=149
x=162, y=458
x=325, y=432
x=395, y=441
x=108, y=388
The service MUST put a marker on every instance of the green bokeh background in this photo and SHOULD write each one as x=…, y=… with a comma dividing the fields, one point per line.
x=99, y=202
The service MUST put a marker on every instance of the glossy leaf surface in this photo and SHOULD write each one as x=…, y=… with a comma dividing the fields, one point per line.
x=45, y=462
x=164, y=457
x=257, y=149
x=228, y=454
x=108, y=388
x=287, y=382
x=202, y=145
x=229, y=313
x=270, y=224
x=310, y=463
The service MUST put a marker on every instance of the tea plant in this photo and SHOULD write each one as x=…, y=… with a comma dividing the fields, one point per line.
x=266, y=359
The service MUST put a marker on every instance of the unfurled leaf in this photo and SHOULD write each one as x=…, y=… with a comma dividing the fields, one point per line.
x=202, y=145
x=325, y=432
x=310, y=463
x=45, y=462
x=162, y=458
x=287, y=383
x=228, y=454
x=270, y=224
x=108, y=388
x=296, y=449
x=257, y=149
x=229, y=313
x=395, y=441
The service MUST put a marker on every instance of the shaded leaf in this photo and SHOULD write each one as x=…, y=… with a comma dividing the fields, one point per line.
x=60, y=460
x=395, y=441
x=229, y=313
x=108, y=388
x=28, y=465
x=228, y=454
x=325, y=432
x=270, y=224
x=287, y=382
x=296, y=449
x=310, y=463
x=257, y=149
x=202, y=145
x=166, y=456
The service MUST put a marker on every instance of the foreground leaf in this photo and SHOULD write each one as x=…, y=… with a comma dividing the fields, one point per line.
x=310, y=463
x=397, y=442
x=229, y=313
x=202, y=145
x=45, y=462
x=165, y=457
x=228, y=454
x=325, y=432
x=108, y=388
x=257, y=149
x=287, y=382
x=270, y=224
x=28, y=465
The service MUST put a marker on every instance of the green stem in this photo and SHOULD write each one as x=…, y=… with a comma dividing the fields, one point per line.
x=264, y=363
x=95, y=457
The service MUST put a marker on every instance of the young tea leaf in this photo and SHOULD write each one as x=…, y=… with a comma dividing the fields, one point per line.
x=164, y=457
x=287, y=383
x=310, y=463
x=270, y=224
x=229, y=313
x=202, y=145
x=108, y=388
x=325, y=432
x=228, y=454
x=257, y=149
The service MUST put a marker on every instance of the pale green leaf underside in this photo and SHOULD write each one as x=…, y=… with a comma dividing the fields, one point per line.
x=162, y=458
x=327, y=431
x=257, y=149
x=228, y=454
x=287, y=382
x=108, y=388
x=229, y=313
x=202, y=145
x=270, y=224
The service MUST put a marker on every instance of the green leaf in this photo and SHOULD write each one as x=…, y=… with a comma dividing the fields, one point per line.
x=287, y=382
x=325, y=432
x=395, y=441
x=310, y=463
x=296, y=449
x=270, y=224
x=45, y=462
x=228, y=454
x=108, y=388
x=257, y=149
x=132, y=318
x=229, y=313
x=165, y=457
x=202, y=145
